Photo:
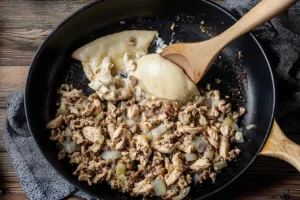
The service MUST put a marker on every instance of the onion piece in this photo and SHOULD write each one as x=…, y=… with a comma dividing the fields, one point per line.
x=203, y=144
x=168, y=132
x=67, y=140
x=227, y=121
x=199, y=143
x=196, y=178
x=149, y=136
x=239, y=137
x=182, y=194
x=190, y=156
x=196, y=142
x=159, y=186
x=235, y=126
x=138, y=92
x=209, y=154
x=220, y=165
x=100, y=140
x=111, y=155
x=158, y=131
x=69, y=147
x=62, y=111
x=215, y=102
x=120, y=169
x=122, y=178
x=99, y=117
x=68, y=132
x=250, y=126
x=130, y=122
x=125, y=117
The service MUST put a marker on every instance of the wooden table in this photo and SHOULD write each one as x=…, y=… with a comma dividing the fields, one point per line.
x=24, y=25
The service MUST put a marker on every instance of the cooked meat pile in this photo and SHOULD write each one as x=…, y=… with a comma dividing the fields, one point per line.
x=146, y=147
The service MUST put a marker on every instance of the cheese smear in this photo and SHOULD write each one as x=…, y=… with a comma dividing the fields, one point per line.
x=163, y=79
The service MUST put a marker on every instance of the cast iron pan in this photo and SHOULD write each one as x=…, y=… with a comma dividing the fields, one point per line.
x=248, y=81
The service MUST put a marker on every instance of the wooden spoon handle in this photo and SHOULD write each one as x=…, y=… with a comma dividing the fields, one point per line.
x=261, y=13
x=279, y=146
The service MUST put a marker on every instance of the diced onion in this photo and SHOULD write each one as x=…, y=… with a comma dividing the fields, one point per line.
x=149, y=136
x=145, y=95
x=209, y=154
x=69, y=147
x=220, y=165
x=68, y=132
x=203, y=144
x=62, y=111
x=227, y=121
x=182, y=194
x=196, y=178
x=100, y=116
x=130, y=122
x=199, y=143
x=132, y=155
x=124, y=116
x=158, y=131
x=138, y=93
x=190, y=156
x=100, y=140
x=239, y=137
x=122, y=178
x=235, y=126
x=196, y=142
x=215, y=103
x=111, y=155
x=159, y=186
x=168, y=132
x=250, y=126
x=67, y=140
x=197, y=97
x=120, y=169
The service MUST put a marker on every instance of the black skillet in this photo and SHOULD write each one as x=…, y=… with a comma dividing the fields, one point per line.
x=249, y=81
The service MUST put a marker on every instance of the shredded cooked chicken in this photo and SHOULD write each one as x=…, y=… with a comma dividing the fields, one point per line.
x=144, y=147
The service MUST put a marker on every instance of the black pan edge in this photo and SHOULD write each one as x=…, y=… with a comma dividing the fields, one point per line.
x=36, y=57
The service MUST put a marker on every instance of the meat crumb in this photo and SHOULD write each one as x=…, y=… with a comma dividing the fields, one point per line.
x=173, y=26
x=240, y=55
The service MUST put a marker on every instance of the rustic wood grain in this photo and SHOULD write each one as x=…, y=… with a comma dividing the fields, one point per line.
x=23, y=27
x=12, y=79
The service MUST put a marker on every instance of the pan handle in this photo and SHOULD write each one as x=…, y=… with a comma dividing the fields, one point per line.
x=280, y=146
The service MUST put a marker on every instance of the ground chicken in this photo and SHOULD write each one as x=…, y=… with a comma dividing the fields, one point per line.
x=113, y=141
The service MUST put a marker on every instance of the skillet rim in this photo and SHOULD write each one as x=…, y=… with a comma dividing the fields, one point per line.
x=213, y=4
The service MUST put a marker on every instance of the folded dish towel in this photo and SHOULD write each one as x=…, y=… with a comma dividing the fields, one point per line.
x=281, y=36
x=37, y=178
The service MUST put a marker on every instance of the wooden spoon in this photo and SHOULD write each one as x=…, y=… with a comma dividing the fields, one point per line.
x=196, y=58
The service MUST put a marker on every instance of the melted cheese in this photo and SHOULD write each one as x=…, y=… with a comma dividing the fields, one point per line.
x=113, y=46
x=163, y=79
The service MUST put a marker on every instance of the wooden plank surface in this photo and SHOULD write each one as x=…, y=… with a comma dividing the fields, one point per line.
x=25, y=24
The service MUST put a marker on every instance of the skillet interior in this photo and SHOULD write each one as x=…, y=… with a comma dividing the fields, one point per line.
x=53, y=66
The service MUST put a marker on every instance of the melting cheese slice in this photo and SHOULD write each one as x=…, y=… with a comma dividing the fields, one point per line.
x=163, y=79
x=113, y=46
